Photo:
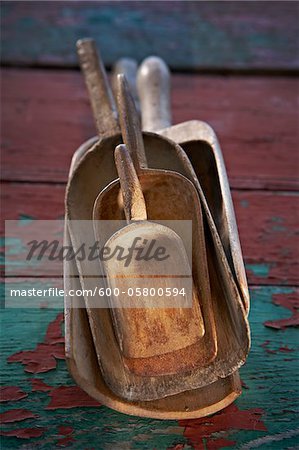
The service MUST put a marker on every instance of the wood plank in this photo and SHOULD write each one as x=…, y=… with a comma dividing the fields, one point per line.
x=266, y=220
x=188, y=35
x=263, y=417
x=46, y=116
x=267, y=225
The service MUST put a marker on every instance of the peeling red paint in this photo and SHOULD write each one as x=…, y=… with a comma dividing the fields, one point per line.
x=177, y=447
x=68, y=439
x=212, y=444
x=11, y=394
x=268, y=350
x=244, y=385
x=70, y=397
x=283, y=349
x=54, y=332
x=40, y=385
x=16, y=415
x=291, y=302
x=271, y=352
x=216, y=444
x=65, y=430
x=64, y=442
x=43, y=357
x=199, y=431
x=24, y=433
x=286, y=349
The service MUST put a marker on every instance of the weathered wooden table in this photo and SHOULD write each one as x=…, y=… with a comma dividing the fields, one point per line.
x=238, y=61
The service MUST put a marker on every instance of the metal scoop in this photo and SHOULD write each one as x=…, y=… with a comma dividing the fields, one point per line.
x=207, y=168
x=93, y=171
x=83, y=363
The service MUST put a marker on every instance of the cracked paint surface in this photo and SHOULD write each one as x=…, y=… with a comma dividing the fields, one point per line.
x=67, y=417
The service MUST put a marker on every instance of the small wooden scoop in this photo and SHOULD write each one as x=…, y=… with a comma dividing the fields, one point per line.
x=200, y=143
x=149, y=329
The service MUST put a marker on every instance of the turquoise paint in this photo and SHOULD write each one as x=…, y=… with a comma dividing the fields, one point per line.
x=15, y=258
x=260, y=270
x=271, y=380
x=17, y=249
x=98, y=428
x=25, y=220
x=186, y=36
x=277, y=219
x=13, y=246
x=244, y=203
x=10, y=241
x=277, y=226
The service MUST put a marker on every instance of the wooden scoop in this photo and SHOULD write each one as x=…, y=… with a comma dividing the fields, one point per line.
x=149, y=329
x=207, y=168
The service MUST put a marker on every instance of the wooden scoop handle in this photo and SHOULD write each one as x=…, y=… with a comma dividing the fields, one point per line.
x=153, y=84
x=134, y=204
x=130, y=124
x=100, y=95
x=127, y=66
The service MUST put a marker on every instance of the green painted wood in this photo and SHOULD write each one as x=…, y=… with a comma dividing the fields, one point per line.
x=268, y=399
x=188, y=35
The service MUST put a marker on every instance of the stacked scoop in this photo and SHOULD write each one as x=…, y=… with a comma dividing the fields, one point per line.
x=162, y=356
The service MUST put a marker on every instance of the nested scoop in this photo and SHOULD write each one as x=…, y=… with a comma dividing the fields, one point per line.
x=147, y=321
x=204, y=167
x=169, y=196
x=83, y=366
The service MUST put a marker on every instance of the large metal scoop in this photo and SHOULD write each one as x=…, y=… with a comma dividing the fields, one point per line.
x=83, y=364
x=94, y=170
x=200, y=143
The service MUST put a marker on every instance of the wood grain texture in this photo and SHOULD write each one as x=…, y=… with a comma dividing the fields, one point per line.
x=188, y=35
x=266, y=222
x=46, y=116
x=263, y=417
